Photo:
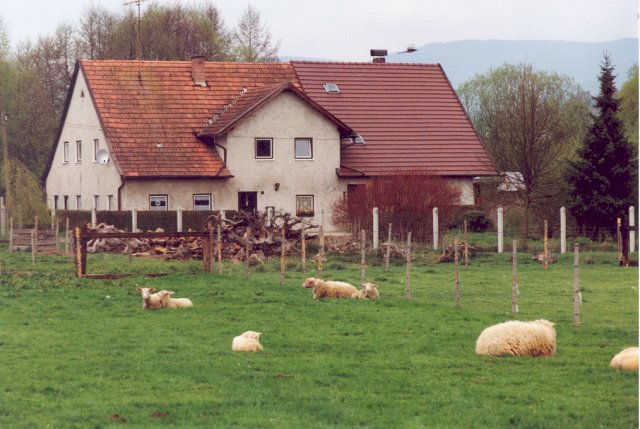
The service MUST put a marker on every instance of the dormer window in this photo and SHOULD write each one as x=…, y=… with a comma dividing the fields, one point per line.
x=331, y=88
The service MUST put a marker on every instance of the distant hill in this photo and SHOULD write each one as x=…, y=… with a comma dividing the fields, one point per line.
x=462, y=60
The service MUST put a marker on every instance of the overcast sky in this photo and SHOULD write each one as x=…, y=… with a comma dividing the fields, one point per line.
x=345, y=30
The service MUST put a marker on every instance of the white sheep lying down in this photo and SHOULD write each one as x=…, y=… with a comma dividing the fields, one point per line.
x=516, y=338
x=329, y=288
x=247, y=342
x=368, y=291
x=149, y=301
x=168, y=302
x=627, y=359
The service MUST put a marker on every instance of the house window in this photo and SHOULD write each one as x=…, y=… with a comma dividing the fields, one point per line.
x=248, y=202
x=304, y=205
x=65, y=152
x=264, y=148
x=66, y=202
x=55, y=202
x=96, y=148
x=110, y=202
x=79, y=151
x=303, y=148
x=96, y=202
x=78, y=202
x=158, y=202
x=202, y=202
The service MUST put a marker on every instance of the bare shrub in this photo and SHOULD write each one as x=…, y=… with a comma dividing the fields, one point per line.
x=406, y=201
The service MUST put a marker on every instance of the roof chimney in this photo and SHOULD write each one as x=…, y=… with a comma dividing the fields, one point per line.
x=378, y=55
x=198, y=70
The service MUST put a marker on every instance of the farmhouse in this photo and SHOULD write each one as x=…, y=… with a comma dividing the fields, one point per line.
x=295, y=136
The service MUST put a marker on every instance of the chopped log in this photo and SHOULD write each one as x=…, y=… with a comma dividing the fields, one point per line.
x=448, y=255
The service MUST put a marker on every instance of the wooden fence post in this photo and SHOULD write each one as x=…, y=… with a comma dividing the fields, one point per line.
x=514, y=279
x=619, y=238
x=282, y=255
x=456, y=270
x=577, y=296
x=33, y=248
x=388, y=254
x=247, y=250
x=219, y=246
x=407, y=281
x=81, y=253
x=66, y=237
x=320, y=252
x=11, y=234
x=632, y=229
x=57, y=232
x=303, y=246
x=466, y=245
x=545, y=254
x=363, y=255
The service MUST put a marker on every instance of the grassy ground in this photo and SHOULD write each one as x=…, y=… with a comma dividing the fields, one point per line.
x=80, y=353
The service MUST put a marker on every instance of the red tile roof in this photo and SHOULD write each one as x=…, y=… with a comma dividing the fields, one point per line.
x=408, y=114
x=152, y=122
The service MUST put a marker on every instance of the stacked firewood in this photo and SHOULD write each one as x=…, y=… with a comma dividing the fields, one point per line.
x=448, y=255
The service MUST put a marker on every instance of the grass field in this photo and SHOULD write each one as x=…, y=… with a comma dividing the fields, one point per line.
x=80, y=353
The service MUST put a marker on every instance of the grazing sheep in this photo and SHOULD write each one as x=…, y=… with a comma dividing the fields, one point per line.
x=168, y=302
x=149, y=301
x=368, y=291
x=247, y=342
x=627, y=359
x=516, y=338
x=329, y=288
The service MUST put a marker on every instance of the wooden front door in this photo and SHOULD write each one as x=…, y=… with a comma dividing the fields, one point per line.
x=248, y=202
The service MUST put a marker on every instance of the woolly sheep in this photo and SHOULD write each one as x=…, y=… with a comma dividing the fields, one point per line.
x=247, y=342
x=368, y=291
x=329, y=288
x=168, y=302
x=627, y=359
x=516, y=338
x=149, y=301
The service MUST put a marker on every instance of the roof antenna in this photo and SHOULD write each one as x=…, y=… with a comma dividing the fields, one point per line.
x=138, y=37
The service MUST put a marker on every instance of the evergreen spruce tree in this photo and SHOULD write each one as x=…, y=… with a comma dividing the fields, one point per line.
x=604, y=176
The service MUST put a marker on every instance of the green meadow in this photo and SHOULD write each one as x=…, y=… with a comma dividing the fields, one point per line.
x=81, y=353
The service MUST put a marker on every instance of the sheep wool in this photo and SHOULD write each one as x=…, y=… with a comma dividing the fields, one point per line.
x=368, y=291
x=149, y=301
x=168, y=302
x=247, y=342
x=329, y=288
x=627, y=359
x=517, y=338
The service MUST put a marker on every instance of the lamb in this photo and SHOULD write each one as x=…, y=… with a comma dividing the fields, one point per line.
x=168, y=302
x=329, y=288
x=627, y=359
x=149, y=301
x=247, y=342
x=368, y=291
x=516, y=338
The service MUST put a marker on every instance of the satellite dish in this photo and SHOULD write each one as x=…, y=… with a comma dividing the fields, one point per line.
x=102, y=156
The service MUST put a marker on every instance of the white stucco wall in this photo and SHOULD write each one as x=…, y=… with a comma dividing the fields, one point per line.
x=86, y=178
x=465, y=185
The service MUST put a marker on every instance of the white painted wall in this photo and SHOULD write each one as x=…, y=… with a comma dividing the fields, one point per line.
x=88, y=177
x=465, y=185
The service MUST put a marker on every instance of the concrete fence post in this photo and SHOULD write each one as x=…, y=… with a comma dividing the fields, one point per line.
x=3, y=218
x=94, y=218
x=563, y=230
x=375, y=228
x=435, y=228
x=179, y=220
x=632, y=233
x=500, y=231
x=134, y=220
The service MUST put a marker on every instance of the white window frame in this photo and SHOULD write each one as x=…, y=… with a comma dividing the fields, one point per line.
x=155, y=202
x=304, y=205
x=202, y=197
x=96, y=148
x=255, y=145
x=65, y=152
x=303, y=140
x=78, y=151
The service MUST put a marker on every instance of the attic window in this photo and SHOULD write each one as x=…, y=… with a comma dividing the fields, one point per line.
x=331, y=88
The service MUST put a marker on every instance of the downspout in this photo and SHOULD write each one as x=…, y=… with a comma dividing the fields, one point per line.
x=224, y=150
x=119, y=193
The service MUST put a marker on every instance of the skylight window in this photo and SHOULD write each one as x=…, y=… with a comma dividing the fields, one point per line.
x=331, y=88
x=358, y=139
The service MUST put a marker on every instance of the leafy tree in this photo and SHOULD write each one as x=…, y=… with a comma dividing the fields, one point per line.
x=531, y=122
x=629, y=106
x=604, y=177
x=252, y=39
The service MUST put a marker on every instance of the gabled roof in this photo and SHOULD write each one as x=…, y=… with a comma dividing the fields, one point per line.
x=152, y=122
x=408, y=115
x=248, y=101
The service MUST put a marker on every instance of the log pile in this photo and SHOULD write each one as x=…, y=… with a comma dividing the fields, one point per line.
x=448, y=255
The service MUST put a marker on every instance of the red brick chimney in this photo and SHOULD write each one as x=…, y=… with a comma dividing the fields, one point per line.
x=198, y=73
